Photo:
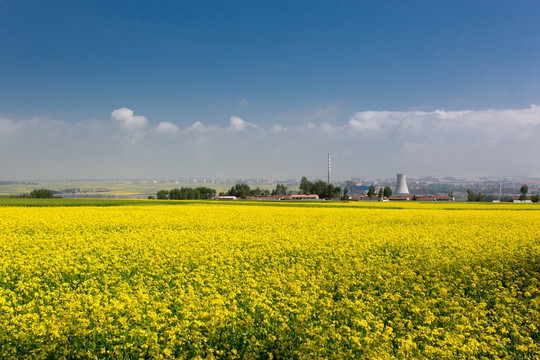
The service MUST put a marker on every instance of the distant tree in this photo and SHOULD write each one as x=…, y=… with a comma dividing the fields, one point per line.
x=523, y=190
x=280, y=190
x=535, y=198
x=189, y=194
x=480, y=196
x=151, y=197
x=239, y=190
x=186, y=193
x=381, y=193
x=304, y=185
x=334, y=192
x=175, y=194
x=326, y=191
x=471, y=196
x=259, y=192
x=206, y=193
x=255, y=192
x=387, y=191
x=162, y=194
x=345, y=195
x=321, y=188
x=41, y=193
x=371, y=191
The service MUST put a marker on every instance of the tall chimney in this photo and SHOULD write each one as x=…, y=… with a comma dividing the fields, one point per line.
x=329, y=170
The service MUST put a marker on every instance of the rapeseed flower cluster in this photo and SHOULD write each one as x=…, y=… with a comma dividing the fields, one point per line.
x=226, y=281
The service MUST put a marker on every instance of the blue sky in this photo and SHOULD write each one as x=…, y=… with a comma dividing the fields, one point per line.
x=290, y=67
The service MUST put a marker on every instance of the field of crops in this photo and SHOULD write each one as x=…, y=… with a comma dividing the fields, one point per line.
x=270, y=281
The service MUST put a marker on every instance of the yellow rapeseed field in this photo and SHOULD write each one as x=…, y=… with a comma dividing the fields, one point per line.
x=270, y=281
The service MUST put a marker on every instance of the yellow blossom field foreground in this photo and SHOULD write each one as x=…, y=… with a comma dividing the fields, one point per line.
x=270, y=281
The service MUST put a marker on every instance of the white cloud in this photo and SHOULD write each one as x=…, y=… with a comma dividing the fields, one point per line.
x=165, y=127
x=328, y=128
x=200, y=127
x=374, y=120
x=137, y=127
x=276, y=128
x=237, y=124
x=489, y=122
x=197, y=126
x=448, y=115
x=7, y=127
x=310, y=125
x=128, y=121
x=134, y=126
x=13, y=128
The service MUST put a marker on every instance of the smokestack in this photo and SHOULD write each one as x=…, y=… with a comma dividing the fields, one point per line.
x=329, y=169
x=401, y=185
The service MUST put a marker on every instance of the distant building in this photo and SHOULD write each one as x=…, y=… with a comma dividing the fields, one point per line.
x=399, y=198
x=225, y=197
x=401, y=186
x=305, y=197
x=434, y=198
x=516, y=199
x=285, y=197
x=270, y=197
x=364, y=198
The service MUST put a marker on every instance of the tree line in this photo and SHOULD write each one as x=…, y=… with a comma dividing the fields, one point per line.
x=321, y=188
x=524, y=190
x=472, y=196
x=243, y=190
x=186, y=193
x=383, y=192
x=38, y=194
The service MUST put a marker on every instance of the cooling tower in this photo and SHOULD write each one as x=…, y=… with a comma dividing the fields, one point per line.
x=401, y=185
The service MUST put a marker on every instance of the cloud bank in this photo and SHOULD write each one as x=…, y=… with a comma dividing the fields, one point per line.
x=368, y=143
x=136, y=126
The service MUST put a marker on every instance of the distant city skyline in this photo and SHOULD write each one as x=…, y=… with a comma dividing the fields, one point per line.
x=136, y=89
